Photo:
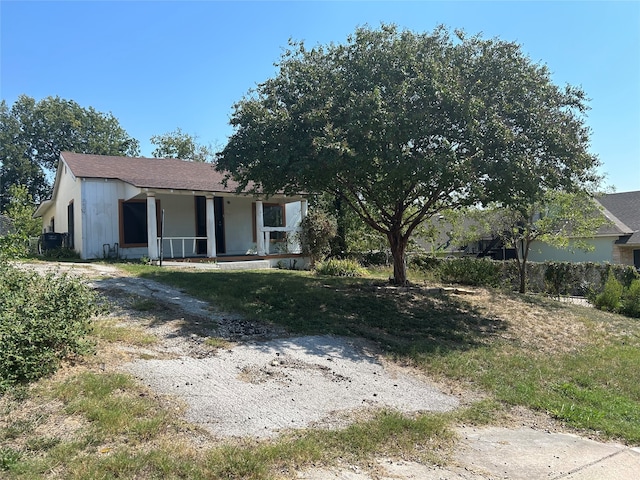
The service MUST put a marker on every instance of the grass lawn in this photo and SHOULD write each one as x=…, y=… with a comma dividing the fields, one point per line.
x=576, y=364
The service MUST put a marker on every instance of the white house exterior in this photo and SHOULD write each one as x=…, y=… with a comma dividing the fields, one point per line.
x=108, y=204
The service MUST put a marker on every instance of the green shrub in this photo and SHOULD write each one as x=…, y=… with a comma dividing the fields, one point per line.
x=43, y=319
x=317, y=230
x=471, y=271
x=340, y=268
x=611, y=296
x=631, y=300
x=424, y=263
x=61, y=253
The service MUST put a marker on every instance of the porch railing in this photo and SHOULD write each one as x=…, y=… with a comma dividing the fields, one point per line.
x=182, y=247
x=183, y=243
x=287, y=245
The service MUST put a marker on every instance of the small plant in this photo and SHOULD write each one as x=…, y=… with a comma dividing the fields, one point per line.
x=144, y=260
x=631, y=300
x=61, y=253
x=340, y=268
x=8, y=458
x=610, y=298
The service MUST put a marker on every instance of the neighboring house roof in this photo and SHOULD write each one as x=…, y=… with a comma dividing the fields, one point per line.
x=150, y=172
x=623, y=209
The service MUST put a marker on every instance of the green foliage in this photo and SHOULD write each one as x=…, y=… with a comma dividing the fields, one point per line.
x=317, y=231
x=631, y=300
x=611, y=297
x=340, y=268
x=471, y=271
x=43, y=319
x=402, y=125
x=8, y=458
x=178, y=144
x=61, y=253
x=19, y=210
x=32, y=135
x=559, y=277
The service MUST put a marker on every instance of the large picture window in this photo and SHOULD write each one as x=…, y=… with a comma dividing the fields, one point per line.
x=133, y=223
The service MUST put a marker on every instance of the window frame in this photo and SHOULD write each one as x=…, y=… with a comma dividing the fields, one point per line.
x=121, y=222
x=284, y=221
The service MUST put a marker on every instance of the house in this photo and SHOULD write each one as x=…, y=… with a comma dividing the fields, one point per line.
x=618, y=241
x=148, y=207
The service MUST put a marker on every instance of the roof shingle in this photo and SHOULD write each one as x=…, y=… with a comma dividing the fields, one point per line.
x=142, y=172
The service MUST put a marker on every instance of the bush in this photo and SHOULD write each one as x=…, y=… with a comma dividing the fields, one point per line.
x=43, y=319
x=340, y=268
x=317, y=230
x=631, y=300
x=424, y=263
x=611, y=297
x=471, y=271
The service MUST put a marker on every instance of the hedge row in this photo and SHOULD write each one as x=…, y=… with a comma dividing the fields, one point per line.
x=555, y=278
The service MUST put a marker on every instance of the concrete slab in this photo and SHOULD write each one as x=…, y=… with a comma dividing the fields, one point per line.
x=525, y=453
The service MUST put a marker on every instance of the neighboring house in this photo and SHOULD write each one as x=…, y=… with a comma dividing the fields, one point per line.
x=115, y=205
x=616, y=242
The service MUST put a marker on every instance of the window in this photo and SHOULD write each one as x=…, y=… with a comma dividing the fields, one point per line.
x=133, y=222
x=273, y=215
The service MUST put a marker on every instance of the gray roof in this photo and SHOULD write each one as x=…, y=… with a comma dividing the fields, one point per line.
x=167, y=173
x=623, y=209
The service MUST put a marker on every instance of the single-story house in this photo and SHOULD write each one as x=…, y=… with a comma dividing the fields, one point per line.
x=148, y=207
x=617, y=242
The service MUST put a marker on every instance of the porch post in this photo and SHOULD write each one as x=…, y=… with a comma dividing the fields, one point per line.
x=304, y=208
x=259, y=228
x=152, y=227
x=211, y=228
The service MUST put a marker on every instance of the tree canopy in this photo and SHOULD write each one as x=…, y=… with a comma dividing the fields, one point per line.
x=401, y=125
x=33, y=133
x=178, y=144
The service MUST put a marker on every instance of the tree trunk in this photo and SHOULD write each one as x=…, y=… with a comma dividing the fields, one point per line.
x=398, y=245
x=339, y=243
x=522, y=269
x=522, y=264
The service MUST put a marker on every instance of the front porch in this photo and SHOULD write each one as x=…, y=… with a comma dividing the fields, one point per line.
x=194, y=227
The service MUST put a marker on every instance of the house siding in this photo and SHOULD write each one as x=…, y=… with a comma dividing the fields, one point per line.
x=68, y=191
x=100, y=215
x=603, y=251
x=239, y=231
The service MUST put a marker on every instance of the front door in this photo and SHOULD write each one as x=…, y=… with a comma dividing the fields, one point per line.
x=201, y=224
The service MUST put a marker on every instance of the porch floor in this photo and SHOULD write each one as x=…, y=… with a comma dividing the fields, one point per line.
x=227, y=262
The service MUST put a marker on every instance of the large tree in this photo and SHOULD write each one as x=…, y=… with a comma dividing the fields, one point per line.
x=401, y=125
x=184, y=146
x=33, y=133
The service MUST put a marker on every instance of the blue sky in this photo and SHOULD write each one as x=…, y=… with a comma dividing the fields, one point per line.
x=160, y=65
